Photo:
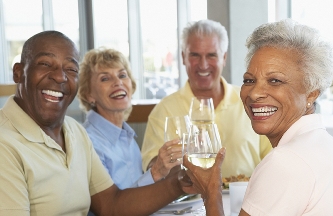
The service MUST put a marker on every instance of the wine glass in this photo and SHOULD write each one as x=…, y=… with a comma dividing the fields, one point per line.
x=201, y=110
x=175, y=127
x=203, y=144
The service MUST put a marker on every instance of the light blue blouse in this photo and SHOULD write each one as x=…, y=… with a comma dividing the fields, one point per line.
x=118, y=151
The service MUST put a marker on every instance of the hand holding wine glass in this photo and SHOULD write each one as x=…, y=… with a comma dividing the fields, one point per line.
x=170, y=154
x=203, y=145
x=175, y=127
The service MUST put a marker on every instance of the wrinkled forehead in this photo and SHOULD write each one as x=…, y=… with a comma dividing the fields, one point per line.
x=50, y=42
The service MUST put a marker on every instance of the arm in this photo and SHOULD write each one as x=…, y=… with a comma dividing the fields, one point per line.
x=209, y=184
x=153, y=139
x=136, y=201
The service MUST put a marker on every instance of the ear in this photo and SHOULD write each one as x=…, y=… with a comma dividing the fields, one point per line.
x=313, y=96
x=183, y=57
x=224, y=59
x=90, y=98
x=18, y=72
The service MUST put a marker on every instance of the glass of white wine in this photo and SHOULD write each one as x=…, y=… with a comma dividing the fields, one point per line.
x=203, y=144
x=201, y=110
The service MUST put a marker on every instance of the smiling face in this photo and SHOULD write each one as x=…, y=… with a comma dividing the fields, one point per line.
x=204, y=62
x=273, y=93
x=111, y=91
x=47, y=80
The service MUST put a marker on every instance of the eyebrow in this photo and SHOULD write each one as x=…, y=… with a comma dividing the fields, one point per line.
x=73, y=60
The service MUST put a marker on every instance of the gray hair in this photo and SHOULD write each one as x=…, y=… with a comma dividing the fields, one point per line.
x=316, y=57
x=206, y=28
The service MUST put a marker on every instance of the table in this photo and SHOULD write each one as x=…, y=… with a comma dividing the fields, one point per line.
x=226, y=206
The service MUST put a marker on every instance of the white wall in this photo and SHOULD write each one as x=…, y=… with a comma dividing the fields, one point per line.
x=240, y=17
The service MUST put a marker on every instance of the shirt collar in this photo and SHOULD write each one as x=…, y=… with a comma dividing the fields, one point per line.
x=230, y=95
x=33, y=132
x=108, y=129
x=304, y=124
x=19, y=119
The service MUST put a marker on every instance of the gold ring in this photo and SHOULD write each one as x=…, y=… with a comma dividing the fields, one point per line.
x=171, y=160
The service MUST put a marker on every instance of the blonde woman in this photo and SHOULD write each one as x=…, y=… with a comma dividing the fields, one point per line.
x=105, y=92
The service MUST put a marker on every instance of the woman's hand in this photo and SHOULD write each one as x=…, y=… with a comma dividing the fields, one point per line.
x=205, y=181
x=169, y=156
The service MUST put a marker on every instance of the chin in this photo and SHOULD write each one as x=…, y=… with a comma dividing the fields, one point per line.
x=260, y=129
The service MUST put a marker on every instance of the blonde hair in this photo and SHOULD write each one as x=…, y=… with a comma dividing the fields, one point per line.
x=101, y=57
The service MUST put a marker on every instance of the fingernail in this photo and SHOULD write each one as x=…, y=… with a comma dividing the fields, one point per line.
x=223, y=149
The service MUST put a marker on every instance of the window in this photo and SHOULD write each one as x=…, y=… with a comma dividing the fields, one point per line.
x=20, y=23
x=311, y=13
x=111, y=25
x=155, y=23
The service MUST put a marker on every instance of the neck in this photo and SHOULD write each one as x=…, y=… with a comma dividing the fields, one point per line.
x=57, y=135
x=217, y=94
x=116, y=118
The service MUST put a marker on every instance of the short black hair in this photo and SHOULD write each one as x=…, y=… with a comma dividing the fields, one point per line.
x=28, y=45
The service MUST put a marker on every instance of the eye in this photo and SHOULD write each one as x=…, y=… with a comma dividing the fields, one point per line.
x=275, y=81
x=194, y=55
x=123, y=75
x=73, y=70
x=104, y=79
x=46, y=64
x=248, y=81
x=212, y=55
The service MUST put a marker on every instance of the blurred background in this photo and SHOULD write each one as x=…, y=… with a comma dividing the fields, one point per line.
x=148, y=32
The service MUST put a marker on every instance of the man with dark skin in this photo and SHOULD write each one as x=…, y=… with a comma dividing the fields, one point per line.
x=35, y=134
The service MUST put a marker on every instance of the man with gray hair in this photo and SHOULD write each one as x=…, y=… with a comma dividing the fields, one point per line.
x=204, y=54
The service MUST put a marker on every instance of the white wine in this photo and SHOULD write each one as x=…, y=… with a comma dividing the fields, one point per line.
x=204, y=160
x=201, y=122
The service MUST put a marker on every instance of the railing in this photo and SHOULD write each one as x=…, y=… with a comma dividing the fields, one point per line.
x=7, y=89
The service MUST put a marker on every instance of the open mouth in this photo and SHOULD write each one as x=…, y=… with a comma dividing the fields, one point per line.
x=264, y=111
x=119, y=94
x=202, y=73
x=52, y=96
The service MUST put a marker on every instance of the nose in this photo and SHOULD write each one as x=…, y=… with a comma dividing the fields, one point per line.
x=58, y=75
x=117, y=82
x=258, y=91
x=203, y=64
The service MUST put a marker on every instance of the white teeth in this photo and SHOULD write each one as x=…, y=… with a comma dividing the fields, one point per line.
x=263, y=114
x=264, y=111
x=53, y=93
x=203, y=73
x=54, y=101
x=119, y=93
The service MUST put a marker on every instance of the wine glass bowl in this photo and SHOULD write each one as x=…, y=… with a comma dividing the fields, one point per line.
x=203, y=144
x=175, y=126
x=201, y=110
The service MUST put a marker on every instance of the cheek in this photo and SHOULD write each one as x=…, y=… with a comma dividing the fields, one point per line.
x=243, y=93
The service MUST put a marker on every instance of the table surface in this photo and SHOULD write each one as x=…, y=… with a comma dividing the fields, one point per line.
x=226, y=206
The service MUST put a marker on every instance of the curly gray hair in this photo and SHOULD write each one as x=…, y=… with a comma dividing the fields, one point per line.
x=316, y=56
